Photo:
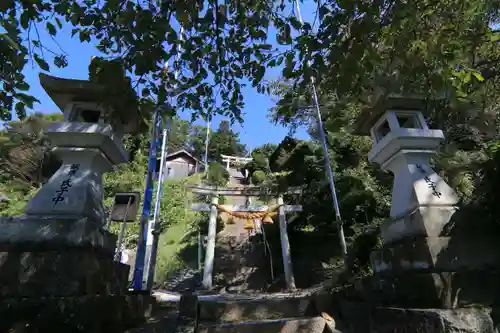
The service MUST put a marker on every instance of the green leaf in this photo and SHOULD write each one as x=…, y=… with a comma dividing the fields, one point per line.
x=495, y=37
x=20, y=109
x=295, y=23
x=467, y=77
x=258, y=34
x=287, y=34
x=51, y=29
x=10, y=41
x=478, y=76
x=27, y=99
x=172, y=37
x=58, y=22
x=60, y=61
x=25, y=19
x=84, y=36
x=162, y=95
x=323, y=10
x=259, y=75
x=22, y=86
x=213, y=59
x=41, y=62
x=5, y=114
x=288, y=70
x=183, y=17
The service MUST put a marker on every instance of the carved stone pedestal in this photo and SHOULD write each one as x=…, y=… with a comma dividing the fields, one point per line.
x=57, y=272
x=59, y=276
x=450, y=265
x=433, y=256
x=53, y=257
x=365, y=318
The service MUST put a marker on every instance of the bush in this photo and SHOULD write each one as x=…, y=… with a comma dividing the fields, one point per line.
x=217, y=175
x=259, y=163
x=258, y=177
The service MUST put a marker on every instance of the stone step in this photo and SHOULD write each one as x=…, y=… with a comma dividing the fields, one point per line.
x=248, y=309
x=282, y=325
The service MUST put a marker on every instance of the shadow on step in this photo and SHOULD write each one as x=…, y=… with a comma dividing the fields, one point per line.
x=241, y=264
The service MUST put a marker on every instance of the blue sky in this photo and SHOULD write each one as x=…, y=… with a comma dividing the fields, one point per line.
x=255, y=131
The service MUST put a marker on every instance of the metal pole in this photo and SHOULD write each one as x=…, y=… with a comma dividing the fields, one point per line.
x=199, y=249
x=119, y=249
x=328, y=166
x=329, y=171
x=137, y=281
x=206, y=144
x=151, y=263
x=266, y=245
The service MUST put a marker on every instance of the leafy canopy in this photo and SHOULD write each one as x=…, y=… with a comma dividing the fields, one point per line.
x=359, y=44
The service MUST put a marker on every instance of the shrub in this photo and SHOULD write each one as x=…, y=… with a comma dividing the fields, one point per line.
x=258, y=177
x=217, y=175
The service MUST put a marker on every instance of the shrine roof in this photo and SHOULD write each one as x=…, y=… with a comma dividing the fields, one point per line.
x=181, y=152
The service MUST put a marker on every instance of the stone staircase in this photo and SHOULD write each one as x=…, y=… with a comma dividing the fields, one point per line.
x=236, y=304
x=265, y=313
x=271, y=313
x=240, y=264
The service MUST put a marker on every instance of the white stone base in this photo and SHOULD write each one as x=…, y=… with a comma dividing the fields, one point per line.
x=34, y=231
x=427, y=221
x=75, y=189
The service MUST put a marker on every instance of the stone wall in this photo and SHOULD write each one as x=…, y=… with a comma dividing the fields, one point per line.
x=362, y=318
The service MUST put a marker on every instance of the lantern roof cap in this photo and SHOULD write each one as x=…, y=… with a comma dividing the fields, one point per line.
x=375, y=109
x=64, y=91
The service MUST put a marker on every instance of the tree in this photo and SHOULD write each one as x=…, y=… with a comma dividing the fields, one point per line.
x=428, y=46
x=25, y=154
x=217, y=175
x=363, y=190
x=260, y=160
x=197, y=139
x=266, y=150
x=258, y=177
x=178, y=135
x=223, y=141
x=214, y=59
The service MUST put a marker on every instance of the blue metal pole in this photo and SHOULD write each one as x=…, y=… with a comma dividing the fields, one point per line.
x=137, y=281
x=152, y=228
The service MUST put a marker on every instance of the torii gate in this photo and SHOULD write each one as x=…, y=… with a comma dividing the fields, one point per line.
x=235, y=159
x=249, y=191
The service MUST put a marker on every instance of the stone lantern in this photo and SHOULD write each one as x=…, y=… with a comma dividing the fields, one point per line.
x=88, y=143
x=403, y=144
x=423, y=259
x=60, y=247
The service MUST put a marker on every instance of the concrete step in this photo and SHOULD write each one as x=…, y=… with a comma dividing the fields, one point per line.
x=248, y=309
x=283, y=325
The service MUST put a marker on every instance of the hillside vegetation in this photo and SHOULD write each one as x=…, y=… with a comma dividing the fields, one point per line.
x=468, y=161
x=27, y=163
x=177, y=247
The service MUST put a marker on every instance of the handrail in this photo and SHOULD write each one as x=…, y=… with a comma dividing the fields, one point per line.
x=266, y=244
